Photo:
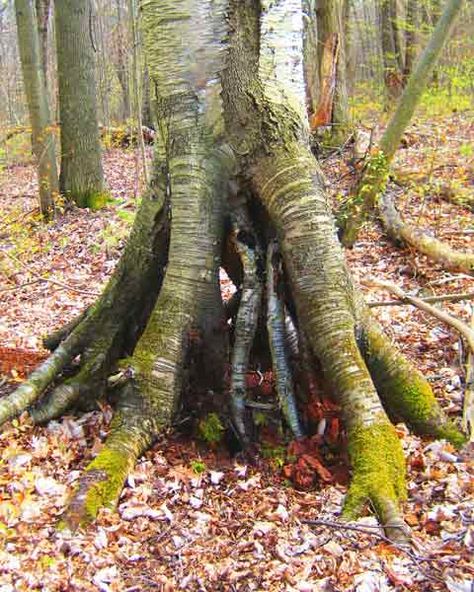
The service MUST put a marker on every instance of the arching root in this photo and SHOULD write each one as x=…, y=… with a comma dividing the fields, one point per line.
x=245, y=328
x=109, y=326
x=32, y=389
x=405, y=392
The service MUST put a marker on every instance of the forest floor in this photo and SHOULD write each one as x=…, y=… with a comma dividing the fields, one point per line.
x=192, y=517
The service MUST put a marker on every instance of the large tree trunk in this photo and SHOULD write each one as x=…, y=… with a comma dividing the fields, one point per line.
x=81, y=178
x=251, y=139
x=37, y=99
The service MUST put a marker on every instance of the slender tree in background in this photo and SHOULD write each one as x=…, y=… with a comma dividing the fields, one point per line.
x=390, y=48
x=373, y=182
x=81, y=177
x=42, y=132
x=411, y=25
x=310, y=55
x=121, y=65
x=333, y=107
x=232, y=118
x=147, y=114
x=137, y=88
x=43, y=13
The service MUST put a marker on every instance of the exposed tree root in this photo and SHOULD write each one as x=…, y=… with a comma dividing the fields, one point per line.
x=433, y=248
x=376, y=458
x=32, y=389
x=278, y=348
x=324, y=311
x=130, y=435
x=126, y=297
x=404, y=391
x=244, y=332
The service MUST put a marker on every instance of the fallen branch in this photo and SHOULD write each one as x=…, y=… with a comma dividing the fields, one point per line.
x=460, y=326
x=468, y=406
x=430, y=299
x=436, y=250
x=375, y=532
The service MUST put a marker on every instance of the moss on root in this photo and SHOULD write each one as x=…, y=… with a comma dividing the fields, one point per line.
x=99, y=487
x=95, y=200
x=378, y=468
x=404, y=391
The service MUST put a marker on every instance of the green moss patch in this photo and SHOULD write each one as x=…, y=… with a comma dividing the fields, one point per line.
x=378, y=468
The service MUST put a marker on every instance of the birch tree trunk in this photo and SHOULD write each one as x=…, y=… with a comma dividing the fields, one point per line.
x=81, y=178
x=42, y=132
x=231, y=123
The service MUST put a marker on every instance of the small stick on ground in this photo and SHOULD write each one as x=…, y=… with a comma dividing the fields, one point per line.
x=460, y=326
x=429, y=299
x=468, y=407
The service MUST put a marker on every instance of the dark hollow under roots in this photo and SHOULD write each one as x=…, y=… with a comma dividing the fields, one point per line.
x=119, y=356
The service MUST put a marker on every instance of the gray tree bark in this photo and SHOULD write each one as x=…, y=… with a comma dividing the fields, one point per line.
x=35, y=89
x=81, y=178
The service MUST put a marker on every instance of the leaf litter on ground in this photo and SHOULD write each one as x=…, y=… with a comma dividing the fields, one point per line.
x=232, y=525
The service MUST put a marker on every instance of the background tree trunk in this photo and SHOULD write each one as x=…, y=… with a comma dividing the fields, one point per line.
x=81, y=177
x=411, y=25
x=333, y=108
x=43, y=13
x=147, y=113
x=310, y=55
x=35, y=89
x=121, y=66
x=390, y=49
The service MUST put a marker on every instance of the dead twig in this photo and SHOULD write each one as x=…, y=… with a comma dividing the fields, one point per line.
x=446, y=318
x=429, y=299
x=375, y=532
